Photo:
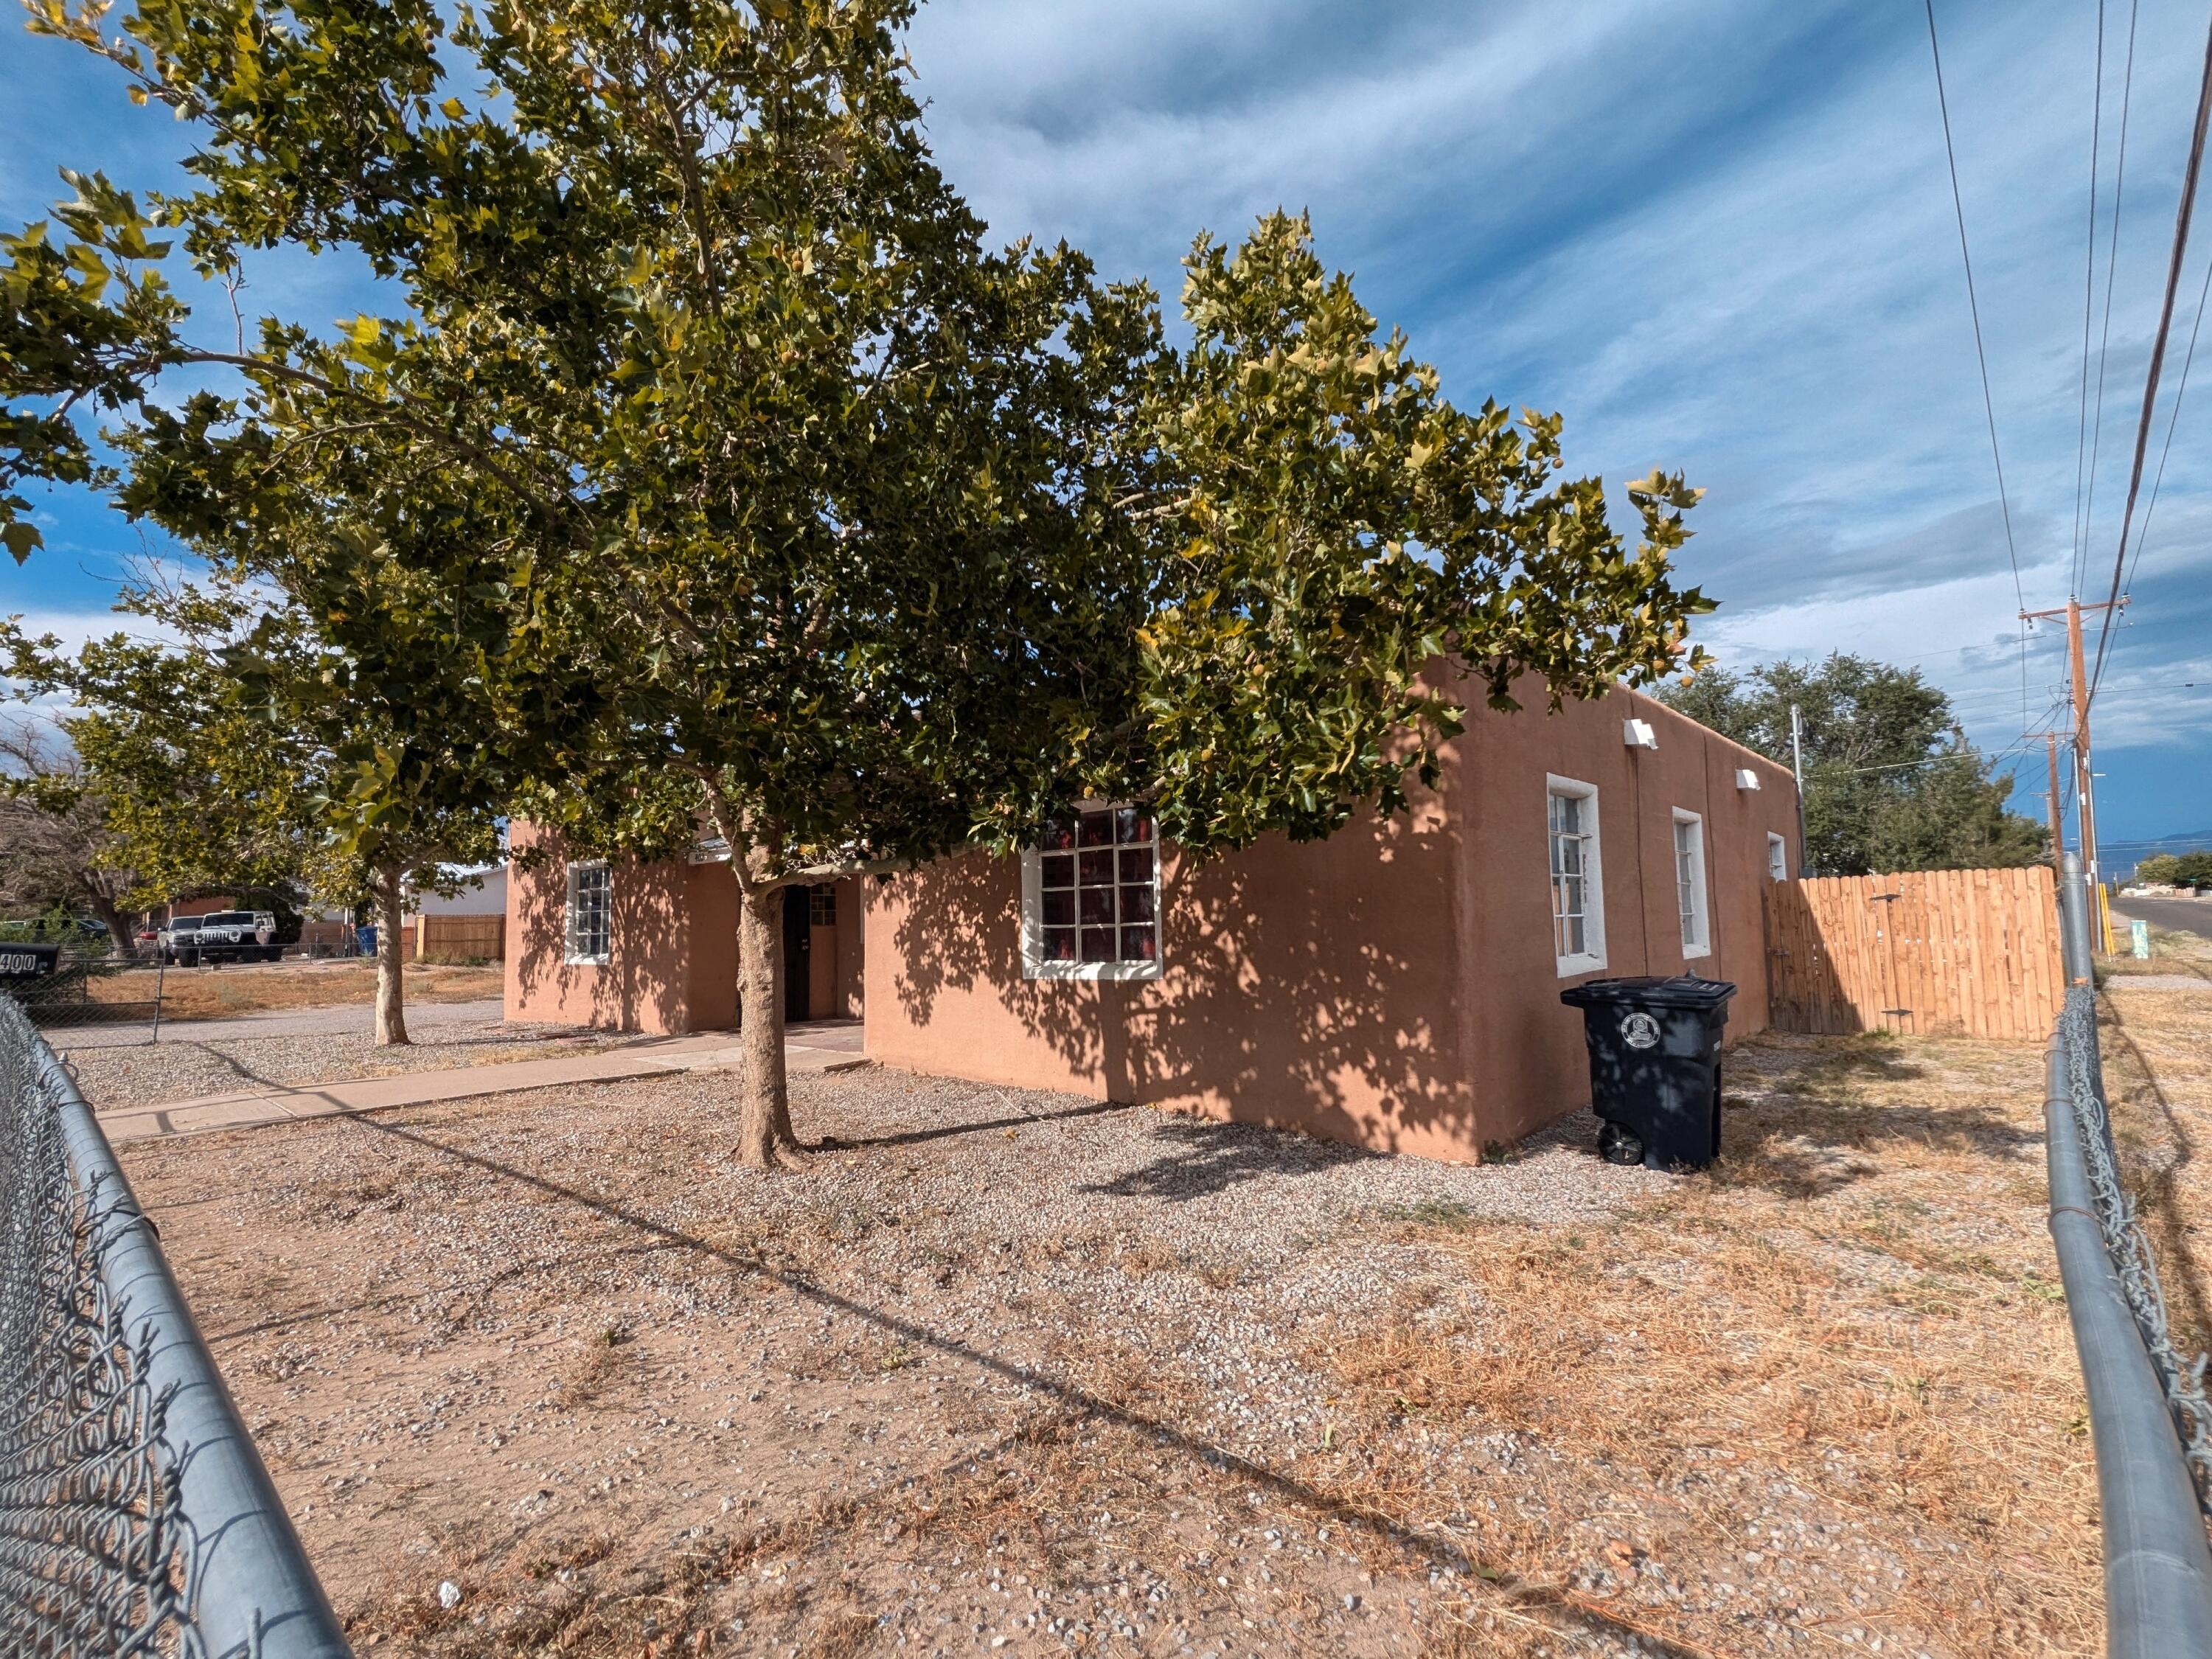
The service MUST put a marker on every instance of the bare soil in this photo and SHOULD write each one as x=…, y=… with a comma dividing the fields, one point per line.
x=1013, y=1372
x=252, y=988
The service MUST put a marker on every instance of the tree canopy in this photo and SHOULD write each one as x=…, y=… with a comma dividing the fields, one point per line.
x=1891, y=782
x=2177, y=869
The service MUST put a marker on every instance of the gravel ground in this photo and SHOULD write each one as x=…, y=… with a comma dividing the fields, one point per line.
x=182, y=1069
x=1001, y=1371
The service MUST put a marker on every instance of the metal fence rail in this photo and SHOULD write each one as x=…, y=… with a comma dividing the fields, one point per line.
x=2149, y=1420
x=135, y=1515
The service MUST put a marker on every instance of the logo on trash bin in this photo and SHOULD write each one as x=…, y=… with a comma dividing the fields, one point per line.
x=1639, y=1030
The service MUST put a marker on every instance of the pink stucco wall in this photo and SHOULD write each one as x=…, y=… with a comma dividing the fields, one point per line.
x=1394, y=986
x=673, y=962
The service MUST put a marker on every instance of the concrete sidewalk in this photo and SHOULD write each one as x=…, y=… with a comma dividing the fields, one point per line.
x=828, y=1049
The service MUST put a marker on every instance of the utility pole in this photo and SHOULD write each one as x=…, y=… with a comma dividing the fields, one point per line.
x=2084, y=787
x=1797, y=769
x=2058, y=815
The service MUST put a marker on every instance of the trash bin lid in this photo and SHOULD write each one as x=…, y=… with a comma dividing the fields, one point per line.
x=1650, y=990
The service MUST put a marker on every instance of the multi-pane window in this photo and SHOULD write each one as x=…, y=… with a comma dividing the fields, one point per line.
x=1777, y=858
x=1091, y=897
x=821, y=906
x=1690, y=882
x=1577, y=901
x=590, y=912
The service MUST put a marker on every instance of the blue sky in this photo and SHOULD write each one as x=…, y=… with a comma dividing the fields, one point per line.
x=1717, y=236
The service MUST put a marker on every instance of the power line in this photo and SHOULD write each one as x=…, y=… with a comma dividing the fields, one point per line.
x=2111, y=270
x=2180, y=391
x=2157, y=354
x=2088, y=303
x=1973, y=305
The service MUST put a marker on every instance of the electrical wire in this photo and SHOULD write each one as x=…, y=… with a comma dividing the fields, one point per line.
x=2088, y=304
x=2111, y=270
x=2157, y=357
x=1973, y=305
x=2180, y=391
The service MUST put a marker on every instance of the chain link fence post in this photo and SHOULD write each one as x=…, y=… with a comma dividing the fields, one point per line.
x=135, y=1517
x=2149, y=1418
x=2074, y=921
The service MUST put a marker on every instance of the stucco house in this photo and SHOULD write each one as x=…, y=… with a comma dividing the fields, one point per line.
x=1395, y=985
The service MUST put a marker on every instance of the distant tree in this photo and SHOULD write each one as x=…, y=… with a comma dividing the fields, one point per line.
x=2193, y=870
x=244, y=757
x=57, y=849
x=2160, y=870
x=1891, y=782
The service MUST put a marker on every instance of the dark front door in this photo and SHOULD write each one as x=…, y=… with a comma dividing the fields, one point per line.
x=798, y=954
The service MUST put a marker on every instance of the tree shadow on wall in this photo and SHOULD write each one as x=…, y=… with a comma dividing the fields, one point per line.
x=642, y=981
x=1301, y=990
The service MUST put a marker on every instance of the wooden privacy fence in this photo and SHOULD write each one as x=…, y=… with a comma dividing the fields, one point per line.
x=468, y=938
x=1970, y=953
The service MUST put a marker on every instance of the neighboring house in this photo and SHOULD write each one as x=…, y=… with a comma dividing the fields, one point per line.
x=1395, y=985
x=487, y=897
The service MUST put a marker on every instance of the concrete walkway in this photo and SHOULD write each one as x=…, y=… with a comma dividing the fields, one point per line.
x=833, y=1047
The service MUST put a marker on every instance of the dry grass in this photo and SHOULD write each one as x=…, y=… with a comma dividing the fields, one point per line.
x=1822, y=1396
x=224, y=993
x=2172, y=950
x=1853, y=1321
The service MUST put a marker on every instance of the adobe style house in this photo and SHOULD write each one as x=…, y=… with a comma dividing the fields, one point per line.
x=1396, y=986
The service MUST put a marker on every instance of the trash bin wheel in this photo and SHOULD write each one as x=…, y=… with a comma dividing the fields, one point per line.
x=1618, y=1143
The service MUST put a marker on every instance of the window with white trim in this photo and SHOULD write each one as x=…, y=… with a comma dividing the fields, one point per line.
x=1090, y=897
x=1578, y=877
x=1777, y=858
x=1690, y=882
x=821, y=906
x=590, y=912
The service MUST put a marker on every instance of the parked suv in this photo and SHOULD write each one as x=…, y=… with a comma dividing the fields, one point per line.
x=177, y=936
x=227, y=936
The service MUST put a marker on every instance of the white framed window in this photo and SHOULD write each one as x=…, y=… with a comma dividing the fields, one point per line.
x=821, y=906
x=1577, y=877
x=1090, y=897
x=1777, y=858
x=590, y=912
x=1690, y=884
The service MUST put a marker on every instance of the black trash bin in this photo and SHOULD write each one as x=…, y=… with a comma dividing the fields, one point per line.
x=1654, y=1049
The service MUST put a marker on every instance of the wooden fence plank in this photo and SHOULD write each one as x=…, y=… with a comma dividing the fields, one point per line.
x=1974, y=952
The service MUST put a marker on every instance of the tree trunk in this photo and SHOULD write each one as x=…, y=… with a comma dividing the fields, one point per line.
x=390, y=917
x=118, y=925
x=764, y=1131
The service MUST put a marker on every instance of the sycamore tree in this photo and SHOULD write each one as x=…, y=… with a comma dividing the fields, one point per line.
x=711, y=473
x=1891, y=781
x=229, y=752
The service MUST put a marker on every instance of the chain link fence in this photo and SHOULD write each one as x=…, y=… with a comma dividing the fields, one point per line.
x=2127, y=1246
x=135, y=1516
x=90, y=990
x=2147, y=1413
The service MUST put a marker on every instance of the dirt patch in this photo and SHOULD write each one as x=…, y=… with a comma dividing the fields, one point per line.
x=1016, y=1372
x=253, y=987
